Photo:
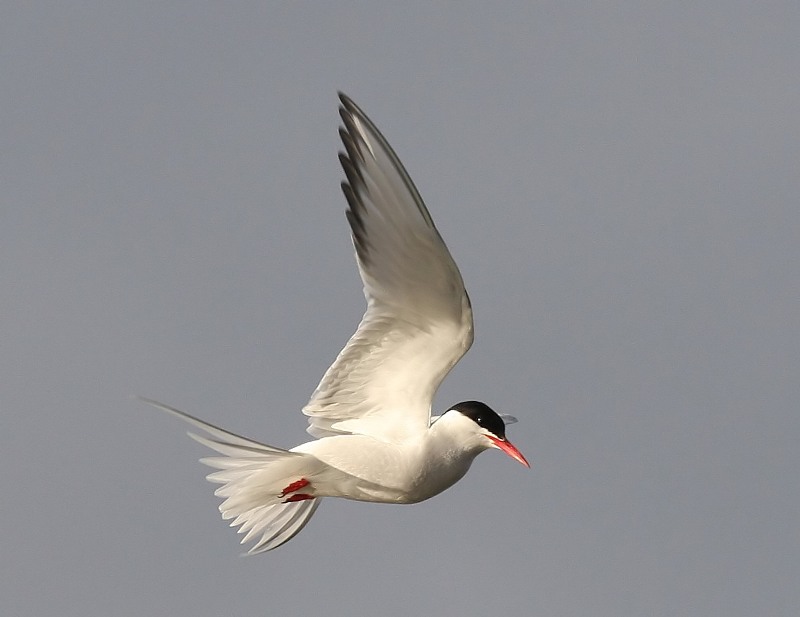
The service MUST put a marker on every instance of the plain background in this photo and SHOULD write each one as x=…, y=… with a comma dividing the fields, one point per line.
x=619, y=184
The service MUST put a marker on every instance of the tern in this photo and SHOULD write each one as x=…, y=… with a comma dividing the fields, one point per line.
x=375, y=440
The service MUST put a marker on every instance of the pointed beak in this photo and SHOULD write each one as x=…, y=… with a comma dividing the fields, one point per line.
x=509, y=448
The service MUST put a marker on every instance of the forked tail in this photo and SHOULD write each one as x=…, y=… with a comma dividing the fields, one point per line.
x=260, y=484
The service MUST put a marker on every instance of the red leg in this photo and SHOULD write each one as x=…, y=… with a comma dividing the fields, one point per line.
x=294, y=486
x=298, y=497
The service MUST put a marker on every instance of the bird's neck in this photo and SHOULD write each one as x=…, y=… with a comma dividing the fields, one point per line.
x=444, y=439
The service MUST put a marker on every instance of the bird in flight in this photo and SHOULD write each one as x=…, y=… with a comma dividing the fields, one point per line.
x=371, y=414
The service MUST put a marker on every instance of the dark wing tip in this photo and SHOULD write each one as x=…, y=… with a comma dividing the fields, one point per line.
x=356, y=130
x=353, y=185
x=348, y=110
x=347, y=102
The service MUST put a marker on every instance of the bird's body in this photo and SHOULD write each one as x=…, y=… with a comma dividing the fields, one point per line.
x=376, y=440
x=407, y=472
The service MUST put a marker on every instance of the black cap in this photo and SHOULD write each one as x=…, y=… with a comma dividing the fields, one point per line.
x=484, y=416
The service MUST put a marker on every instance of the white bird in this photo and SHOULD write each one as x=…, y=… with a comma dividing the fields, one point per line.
x=371, y=412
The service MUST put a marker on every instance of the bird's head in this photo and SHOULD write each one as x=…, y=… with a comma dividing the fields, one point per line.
x=485, y=427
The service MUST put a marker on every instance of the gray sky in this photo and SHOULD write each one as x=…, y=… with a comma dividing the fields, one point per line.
x=619, y=185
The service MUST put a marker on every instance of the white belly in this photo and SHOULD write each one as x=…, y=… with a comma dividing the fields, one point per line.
x=365, y=469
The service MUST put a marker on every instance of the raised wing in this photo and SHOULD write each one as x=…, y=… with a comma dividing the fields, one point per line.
x=418, y=321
